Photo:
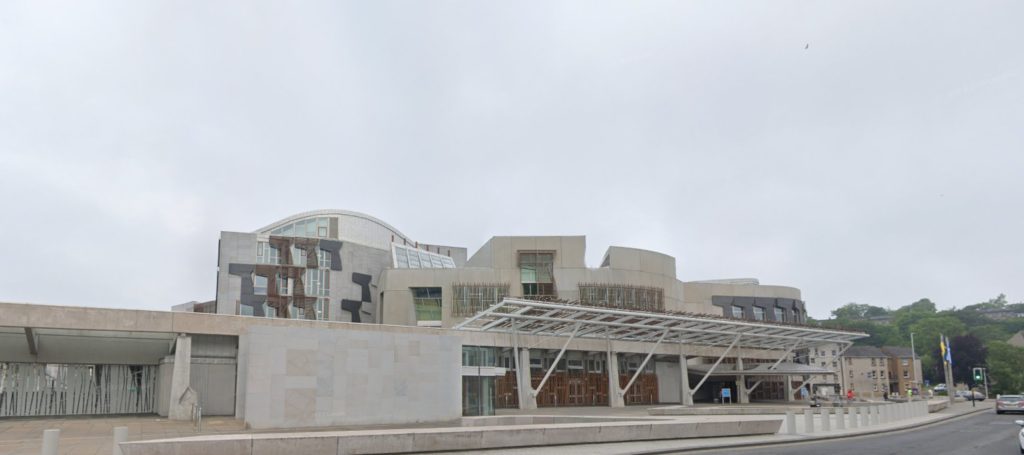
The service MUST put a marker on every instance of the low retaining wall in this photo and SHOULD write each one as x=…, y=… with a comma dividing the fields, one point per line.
x=742, y=410
x=446, y=439
x=937, y=405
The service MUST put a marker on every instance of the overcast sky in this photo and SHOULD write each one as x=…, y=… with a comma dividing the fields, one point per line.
x=862, y=151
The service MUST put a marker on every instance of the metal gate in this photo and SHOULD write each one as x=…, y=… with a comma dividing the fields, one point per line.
x=37, y=389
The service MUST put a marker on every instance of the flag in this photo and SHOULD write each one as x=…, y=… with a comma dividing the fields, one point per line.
x=948, y=355
x=942, y=347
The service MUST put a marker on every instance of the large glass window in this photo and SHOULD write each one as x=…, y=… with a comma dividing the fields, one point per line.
x=737, y=311
x=536, y=273
x=427, y=302
x=310, y=227
x=259, y=285
x=468, y=299
x=411, y=258
x=758, y=313
x=780, y=315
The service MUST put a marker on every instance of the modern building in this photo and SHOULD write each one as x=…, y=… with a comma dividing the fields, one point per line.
x=325, y=317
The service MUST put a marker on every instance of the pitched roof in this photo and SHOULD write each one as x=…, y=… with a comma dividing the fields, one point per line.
x=1017, y=339
x=864, y=351
x=898, y=351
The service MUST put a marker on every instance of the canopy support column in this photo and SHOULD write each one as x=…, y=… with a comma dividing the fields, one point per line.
x=644, y=364
x=774, y=365
x=712, y=370
x=685, y=398
x=554, y=364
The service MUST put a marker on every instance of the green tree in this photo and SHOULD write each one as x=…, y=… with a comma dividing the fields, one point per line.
x=1005, y=368
x=967, y=352
x=905, y=316
x=878, y=334
x=858, y=311
x=927, y=330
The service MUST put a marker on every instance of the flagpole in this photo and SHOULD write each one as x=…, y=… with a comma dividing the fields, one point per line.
x=948, y=369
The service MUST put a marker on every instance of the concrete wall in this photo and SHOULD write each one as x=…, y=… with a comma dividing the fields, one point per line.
x=304, y=377
x=669, y=384
x=235, y=248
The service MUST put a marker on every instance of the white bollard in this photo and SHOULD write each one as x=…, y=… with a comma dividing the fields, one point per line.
x=840, y=418
x=51, y=440
x=808, y=421
x=874, y=415
x=790, y=422
x=854, y=417
x=120, y=435
x=826, y=419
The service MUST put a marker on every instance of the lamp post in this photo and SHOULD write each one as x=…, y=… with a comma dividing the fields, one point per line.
x=913, y=363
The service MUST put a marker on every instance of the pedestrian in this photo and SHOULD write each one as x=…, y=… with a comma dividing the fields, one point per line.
x=849, y=395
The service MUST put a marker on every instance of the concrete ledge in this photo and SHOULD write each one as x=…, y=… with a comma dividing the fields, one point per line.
x=937, y=405
x=449, y=439
x=742, y=410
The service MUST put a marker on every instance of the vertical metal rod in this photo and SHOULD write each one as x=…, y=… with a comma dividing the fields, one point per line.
x=644, y=364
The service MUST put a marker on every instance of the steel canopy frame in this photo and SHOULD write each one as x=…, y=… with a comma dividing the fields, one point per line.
x=520, y=316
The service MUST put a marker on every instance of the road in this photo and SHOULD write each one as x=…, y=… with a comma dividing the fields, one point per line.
x=983, y=434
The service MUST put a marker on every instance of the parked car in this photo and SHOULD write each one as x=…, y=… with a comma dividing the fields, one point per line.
x=1009, y=403
x=966, y=394
x=939, y=388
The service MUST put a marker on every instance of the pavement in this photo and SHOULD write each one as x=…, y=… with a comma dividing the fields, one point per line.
x=93, y=436
x=732, y=444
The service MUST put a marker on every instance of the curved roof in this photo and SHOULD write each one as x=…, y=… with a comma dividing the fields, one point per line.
x=327, y=212
x=352, y=226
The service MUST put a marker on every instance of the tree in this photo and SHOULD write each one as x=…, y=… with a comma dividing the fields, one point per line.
x=905, y=316
x=927, y=330
x=967, y=352
x=1005, y=368
x=878, y=335
x=858, y=311
x=997, y=303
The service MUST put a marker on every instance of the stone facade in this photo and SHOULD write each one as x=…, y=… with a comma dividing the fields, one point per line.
x=305, y=377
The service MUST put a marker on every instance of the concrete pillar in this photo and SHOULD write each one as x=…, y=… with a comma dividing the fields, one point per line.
x=808, y=421
x=789, y=388
x=180, y=404
x=874, y=415
x=864, y=416
x=826, y=419
x=524, y=381
x=840, y=418
x=120, y=435
x=742, y=396
x=790, y=423
x=854, y=417
x=686, y=399
x=51, y=442
x=615, y=398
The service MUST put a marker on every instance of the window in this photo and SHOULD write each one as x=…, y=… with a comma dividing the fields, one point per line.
x=780, y=315
x=873, y=362
x=427, y=302
x=323, y=258
x=622, y=297
x=851, y=374
x=310, y=227
x=282, y=285
x=298, y=256
x=737, y=311
x=833, y=353
x=259, y=286
x=905, y=362
x=536, y=273
x=469, y=299
x=574, y=364
x=758, y=313
x=849, y=361
x=406, y=257
x=906, y=374
x=266, y=254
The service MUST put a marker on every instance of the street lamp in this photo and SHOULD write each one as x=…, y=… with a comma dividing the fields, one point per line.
x=913, y=364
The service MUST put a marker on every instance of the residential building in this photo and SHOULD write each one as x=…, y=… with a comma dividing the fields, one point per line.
x=866, y=371
x=904, y=370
